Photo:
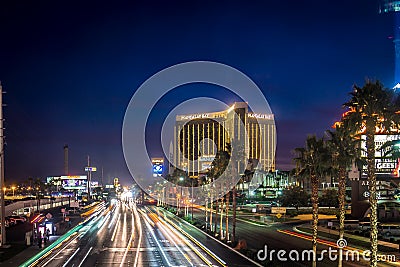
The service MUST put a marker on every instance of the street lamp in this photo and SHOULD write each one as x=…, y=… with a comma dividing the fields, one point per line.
x=13, y=189
x=181, y=180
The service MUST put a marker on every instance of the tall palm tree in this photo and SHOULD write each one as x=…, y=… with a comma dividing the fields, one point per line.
x=371, y=108
x=343, y=149
x=312, y=160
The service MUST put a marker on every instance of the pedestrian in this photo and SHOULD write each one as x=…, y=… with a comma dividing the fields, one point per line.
x=48, y=234
x=45, y=238
x=40, y=240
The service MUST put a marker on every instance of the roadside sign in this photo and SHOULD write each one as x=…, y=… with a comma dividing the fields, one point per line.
x=90, y=169
x=278, y=215
x=74, y=204
x=278, y=210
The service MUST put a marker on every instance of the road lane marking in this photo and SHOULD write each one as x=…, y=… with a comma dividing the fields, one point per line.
x=84, y=258
x=70, y=258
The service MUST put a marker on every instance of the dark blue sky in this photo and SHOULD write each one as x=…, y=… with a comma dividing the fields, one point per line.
x=70, y=68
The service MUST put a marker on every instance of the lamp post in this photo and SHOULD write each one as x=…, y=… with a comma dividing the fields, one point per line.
x=13, y=189
x=180, y=180
x=192, y=200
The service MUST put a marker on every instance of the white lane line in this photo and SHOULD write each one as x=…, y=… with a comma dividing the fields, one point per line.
x=84, y=258
x=70, y=258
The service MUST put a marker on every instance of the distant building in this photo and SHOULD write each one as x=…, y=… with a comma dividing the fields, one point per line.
x=198, y=138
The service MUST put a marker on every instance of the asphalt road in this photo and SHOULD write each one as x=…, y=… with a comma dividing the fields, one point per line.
x=126, y=235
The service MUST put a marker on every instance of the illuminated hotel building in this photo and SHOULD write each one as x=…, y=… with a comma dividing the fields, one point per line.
x=198, y=137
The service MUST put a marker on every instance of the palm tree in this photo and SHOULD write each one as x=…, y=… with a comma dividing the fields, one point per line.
x=312, y=160
x=371, y=108
x=342, y=147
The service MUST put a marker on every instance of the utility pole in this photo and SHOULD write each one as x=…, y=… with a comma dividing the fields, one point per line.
x=89, y=177
x=2, y=185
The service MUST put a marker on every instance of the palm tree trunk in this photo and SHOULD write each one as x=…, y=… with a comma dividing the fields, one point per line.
x=234, y=214
x=206, y=213
x=314, y=198
x=342, y=211
x=221, y=228
x=211, y=213
x=227, y=217
x=216, y=215
x=370, y=131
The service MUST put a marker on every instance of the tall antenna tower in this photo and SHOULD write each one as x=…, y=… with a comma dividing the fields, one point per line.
x=66, y=159
x=2, y=185
x=392, y=6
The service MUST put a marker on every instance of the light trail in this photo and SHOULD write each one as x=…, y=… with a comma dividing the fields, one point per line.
x=140, y=235
x=158, y=243
x=124, y=229
x=165, y=232
x=61, y=250
x=129, y=243
x=195, y=250
x=115, y=229
x=170, y=224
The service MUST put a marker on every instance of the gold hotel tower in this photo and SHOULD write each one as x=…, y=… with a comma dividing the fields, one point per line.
x=198, y=137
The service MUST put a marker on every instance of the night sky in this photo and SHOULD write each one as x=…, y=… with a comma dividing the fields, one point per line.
x=70, y=68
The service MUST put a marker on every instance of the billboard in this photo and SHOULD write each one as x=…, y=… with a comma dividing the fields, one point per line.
x=74, y=182
x=385, y=166
x=158, y=166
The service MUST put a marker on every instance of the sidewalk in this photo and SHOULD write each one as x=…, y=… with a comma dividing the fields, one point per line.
x=27, y=253
x=33, y=249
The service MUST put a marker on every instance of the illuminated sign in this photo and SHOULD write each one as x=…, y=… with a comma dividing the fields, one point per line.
x=157, y=169
x=66, y=177
x=195, y=116
x=261, y=116
x=213, y=115
x=384, y=164
x=73, y=182
x=90, y=169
